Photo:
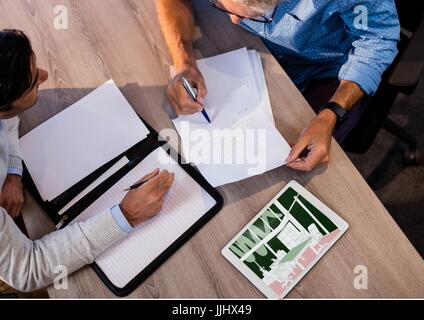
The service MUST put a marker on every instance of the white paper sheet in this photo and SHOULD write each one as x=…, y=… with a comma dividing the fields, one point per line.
x=264, y=101
x=79, y=140
x=260, y=149
x=229, y=71
x=115, y=168
x=185, y=204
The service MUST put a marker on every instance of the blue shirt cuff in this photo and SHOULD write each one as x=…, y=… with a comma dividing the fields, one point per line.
x=363, y=75
x=15, y=171
x=120, y=219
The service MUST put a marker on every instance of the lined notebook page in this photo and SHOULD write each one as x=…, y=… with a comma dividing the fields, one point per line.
x=184, y=205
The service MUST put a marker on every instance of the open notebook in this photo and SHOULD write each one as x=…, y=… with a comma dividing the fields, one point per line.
x=184, y=205
x=79, y=162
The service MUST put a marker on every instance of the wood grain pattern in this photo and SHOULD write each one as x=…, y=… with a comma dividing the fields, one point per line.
x=121, y=39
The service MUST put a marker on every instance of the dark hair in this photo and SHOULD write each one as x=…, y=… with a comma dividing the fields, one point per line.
x=15, y=66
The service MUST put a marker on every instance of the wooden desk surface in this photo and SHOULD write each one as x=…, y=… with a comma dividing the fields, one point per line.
x=121, y=39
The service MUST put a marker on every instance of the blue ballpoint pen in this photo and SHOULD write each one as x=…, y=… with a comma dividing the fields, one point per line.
x=191, y=91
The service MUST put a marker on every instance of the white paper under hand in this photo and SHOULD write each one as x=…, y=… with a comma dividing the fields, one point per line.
x=185, y=203
x=241, y=141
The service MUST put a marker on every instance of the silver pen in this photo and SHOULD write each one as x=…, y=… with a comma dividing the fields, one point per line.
x=193, y=94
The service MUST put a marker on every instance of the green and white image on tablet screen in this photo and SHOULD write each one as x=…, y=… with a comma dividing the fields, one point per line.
x=285, y=240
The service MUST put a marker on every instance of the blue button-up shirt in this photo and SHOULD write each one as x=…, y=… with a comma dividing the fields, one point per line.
x=347, y=39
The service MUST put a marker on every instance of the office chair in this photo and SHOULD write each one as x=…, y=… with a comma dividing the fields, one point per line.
x=402, y=77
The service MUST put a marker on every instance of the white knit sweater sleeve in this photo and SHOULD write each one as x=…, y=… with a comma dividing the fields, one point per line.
x=13, y=137
x=30, y=265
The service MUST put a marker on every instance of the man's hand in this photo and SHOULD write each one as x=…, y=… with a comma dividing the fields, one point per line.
x=176, y=19
x=180, y=99
x=316, y=138
x=142, y=204
x=12, y=196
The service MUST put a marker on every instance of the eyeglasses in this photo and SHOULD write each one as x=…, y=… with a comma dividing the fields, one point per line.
x=262, y=19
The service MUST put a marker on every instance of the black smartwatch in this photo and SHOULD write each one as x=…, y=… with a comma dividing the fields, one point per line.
x=338, y=110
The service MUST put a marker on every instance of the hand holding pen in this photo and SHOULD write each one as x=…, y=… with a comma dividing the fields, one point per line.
x=180, y=99
x=145, y=201
x=192, y=92
x=147, y=179
x=303, y=155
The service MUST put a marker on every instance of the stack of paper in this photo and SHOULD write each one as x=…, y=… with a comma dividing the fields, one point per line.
x=229, y=71
x=242, y=140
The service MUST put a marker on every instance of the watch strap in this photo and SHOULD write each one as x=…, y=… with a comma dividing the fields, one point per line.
x=337, y=109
